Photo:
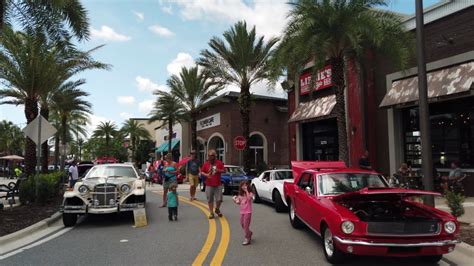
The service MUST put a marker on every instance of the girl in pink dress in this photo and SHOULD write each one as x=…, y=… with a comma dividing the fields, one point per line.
x=244, y=199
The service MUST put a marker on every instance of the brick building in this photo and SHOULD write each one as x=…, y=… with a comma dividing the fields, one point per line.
x=220, y=123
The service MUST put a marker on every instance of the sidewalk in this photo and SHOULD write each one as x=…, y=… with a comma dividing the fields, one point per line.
x=468, y=204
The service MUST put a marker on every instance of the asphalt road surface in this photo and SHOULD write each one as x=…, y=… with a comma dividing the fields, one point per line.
x=193, y=239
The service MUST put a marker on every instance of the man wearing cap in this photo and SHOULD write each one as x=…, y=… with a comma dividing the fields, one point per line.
x=193, y=168
x=212, y=171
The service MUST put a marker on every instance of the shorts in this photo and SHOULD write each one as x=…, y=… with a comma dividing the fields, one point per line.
x=214, y=193
x=193, y=180
x=167, y=184
x=72, y=182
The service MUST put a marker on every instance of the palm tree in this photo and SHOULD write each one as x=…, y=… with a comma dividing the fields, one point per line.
x=106, y=130
x=70, y=100
x=136, y=132
x=169, y=110
x=243, y=60
x=11, y=138
x=52, y=17
x=329, y=31
x=193, y=88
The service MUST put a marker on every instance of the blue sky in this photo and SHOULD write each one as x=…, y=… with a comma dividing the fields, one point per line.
x=148, y=40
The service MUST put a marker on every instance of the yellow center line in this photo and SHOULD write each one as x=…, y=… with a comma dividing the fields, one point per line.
x=211, y=236
x=224, y=242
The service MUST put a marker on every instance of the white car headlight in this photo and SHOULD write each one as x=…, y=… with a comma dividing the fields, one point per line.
x=125, y=188
x=83, y=189
x=450, y=227
x=347, y=227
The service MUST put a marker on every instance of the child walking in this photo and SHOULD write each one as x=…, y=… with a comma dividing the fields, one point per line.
x=172, y=202
x=244, y=199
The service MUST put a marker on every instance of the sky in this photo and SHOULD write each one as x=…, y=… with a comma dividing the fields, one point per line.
x=146, y=41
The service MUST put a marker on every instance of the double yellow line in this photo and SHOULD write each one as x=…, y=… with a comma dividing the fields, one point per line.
x=206, y=248
x=211, y=236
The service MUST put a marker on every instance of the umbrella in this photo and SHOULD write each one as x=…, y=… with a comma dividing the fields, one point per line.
x=12, y=158
x=184, y=161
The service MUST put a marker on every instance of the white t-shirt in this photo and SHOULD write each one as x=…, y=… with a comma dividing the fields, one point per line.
x=74, y=173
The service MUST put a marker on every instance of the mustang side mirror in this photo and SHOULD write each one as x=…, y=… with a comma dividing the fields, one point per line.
x=308, y=190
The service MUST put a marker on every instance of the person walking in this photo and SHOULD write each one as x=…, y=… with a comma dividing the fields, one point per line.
x=364, y=161
x=73, y=174
x=172, y=202
x=244, y=199
x=212, y=171
x=193, y=168
x=170, y=171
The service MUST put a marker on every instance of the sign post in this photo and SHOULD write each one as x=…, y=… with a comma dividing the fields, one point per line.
x=39, y=130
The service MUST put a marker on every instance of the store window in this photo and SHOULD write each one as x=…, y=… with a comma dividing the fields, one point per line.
x=217, y=143
x=257, y=148
x=201, y=152
x=452, y=133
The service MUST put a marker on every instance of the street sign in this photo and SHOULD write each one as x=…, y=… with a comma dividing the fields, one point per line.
x=240, y=143
x=47, y=130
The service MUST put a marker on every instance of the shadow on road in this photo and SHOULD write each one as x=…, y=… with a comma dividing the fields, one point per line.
x=106, y=220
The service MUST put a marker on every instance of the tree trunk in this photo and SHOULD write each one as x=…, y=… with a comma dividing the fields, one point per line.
x=31, y=111
x=44, y=147
x=63, y=141
x=56, y=151
x=244, y=104
x=340, y=108
x=170, y=135
x=194, y=142
x=2, y=16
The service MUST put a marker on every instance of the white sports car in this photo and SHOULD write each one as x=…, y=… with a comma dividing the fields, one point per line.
x=269, y=187
x=107, y=188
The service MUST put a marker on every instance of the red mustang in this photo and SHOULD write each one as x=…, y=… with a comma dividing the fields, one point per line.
x=356, y=212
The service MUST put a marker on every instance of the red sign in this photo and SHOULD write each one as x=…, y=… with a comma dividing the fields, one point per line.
x=240, y=143
x=324, y=80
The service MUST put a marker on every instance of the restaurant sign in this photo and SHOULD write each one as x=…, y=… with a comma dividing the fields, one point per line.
x=323, y=80
x=208, y=122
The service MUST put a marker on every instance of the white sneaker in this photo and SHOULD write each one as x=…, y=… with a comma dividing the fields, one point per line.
x=246, y=242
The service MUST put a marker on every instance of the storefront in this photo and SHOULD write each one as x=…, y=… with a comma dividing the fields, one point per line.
x=220, y=123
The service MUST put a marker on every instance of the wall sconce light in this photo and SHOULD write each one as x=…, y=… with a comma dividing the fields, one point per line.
x=353, y=131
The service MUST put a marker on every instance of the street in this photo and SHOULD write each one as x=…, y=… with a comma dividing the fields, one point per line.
x=193, y=239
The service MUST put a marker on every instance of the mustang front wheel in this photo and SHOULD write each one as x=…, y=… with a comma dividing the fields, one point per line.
x=332, y=253
x=69, y=219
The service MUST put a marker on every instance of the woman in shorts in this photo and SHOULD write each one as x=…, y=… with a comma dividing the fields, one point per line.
x=169, y=174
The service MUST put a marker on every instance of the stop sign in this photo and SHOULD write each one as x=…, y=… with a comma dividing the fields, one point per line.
x=239, y=143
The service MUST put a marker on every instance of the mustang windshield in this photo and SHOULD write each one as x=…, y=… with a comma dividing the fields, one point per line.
x=347, y=182
x=281, y=175
x=111, y=171
x=234, y=171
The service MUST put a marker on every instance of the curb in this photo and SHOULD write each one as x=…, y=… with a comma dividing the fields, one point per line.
x=465, y=249
x=30, y=229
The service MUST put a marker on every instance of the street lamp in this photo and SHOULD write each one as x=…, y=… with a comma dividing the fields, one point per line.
x=425, y=135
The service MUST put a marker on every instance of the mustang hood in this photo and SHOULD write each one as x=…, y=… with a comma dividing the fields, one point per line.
x=383, y=194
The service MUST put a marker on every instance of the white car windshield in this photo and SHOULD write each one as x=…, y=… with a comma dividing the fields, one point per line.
x=102, y=171
x=281, y=175
x=339, y=183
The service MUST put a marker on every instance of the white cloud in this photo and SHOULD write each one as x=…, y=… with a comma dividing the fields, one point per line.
x=262, y=88
x=160, y=30
x=146, y=85
x=269, y=17
x=108, y=34
x=140, y=16
x=167, y=10
x=125, y=115
x=145, y=107
x=181, y=60
x=126, y=100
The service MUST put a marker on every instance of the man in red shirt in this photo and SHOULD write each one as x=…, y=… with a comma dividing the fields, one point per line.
x=212, y=171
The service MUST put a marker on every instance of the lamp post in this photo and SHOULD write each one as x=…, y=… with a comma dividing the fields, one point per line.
x=425, y=135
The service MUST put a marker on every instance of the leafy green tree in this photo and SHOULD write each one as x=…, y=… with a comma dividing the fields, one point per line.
x=169, y=110
x=106, y=130
x=136, y=132
x=54, y=18
x=193, y=87
x=334, y=31
x=240, y=59
x=11, y=138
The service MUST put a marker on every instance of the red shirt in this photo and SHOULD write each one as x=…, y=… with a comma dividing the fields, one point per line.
x=215, y=179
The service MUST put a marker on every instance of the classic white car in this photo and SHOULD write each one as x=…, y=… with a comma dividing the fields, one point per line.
x=107, y=188
x=269, y=187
